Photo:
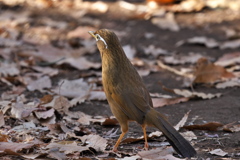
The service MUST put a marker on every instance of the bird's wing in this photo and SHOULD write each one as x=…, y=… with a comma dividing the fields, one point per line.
x=135, y=103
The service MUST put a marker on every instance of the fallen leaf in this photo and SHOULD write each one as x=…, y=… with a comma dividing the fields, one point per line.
x=73, y=88
x=171, y=69
x=235, y=82
x=228, y=59
x=232, y=44
x=56, y=154
x=68, y=148
x=14, y=147
x=182, y=122
x=81, y=63
x=208, y=42
x=207, y=72
x=160, y=102
x=95, y=141
x=153, y=50
x=218, y=152
x=46, y=99
x=8, y=69
x=40, y=84
x=166, y=22
x=97, y=95
x=44, y=114
x=189, y=135
x=129, y=51
x=232, y=127
x=2, y=122
x=192, y=95
x=46, y=70
x=211, y=126
x=159, y=153
x=191, y=58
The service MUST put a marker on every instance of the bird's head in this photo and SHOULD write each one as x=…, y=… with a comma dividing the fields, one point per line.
x=105, y=39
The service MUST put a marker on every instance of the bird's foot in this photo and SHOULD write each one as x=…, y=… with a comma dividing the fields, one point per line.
x=115, y=149
x=146, y=146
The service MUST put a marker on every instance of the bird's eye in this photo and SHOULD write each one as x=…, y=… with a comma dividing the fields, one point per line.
x=98, y=37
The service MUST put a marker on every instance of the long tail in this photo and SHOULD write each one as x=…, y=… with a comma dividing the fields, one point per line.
x=180, y=144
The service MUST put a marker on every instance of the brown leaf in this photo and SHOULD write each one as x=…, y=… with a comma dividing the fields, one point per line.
x=14, y=146
x=95, y=141
x=2, y=122
x=73, y=88
x=8, y=69
x=67, y=147
x=159, y=153
x=46, y=99
x=44, y=114
x=110, y=122
x=166, y=21
x=232, y=127
x=182, y=59
x=81, y=63
x=208, y=42
x=228, y=59
x=211, y=126
x=192, y=95
x=40, y=84
x=207, y=72
x=160, y=102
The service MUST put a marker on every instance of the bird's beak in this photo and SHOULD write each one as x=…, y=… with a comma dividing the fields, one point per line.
x=92, y=34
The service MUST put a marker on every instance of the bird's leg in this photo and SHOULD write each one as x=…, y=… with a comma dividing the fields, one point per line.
x=124, y=129
x=145, y=137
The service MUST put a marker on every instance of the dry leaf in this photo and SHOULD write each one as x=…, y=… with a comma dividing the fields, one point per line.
x=8, y=69
x=95, y=141
x=228, y=59
x=68, y=148
x=182, y=122
x=159, y=153
x=235, y=82
x=40, y=84
x=97, y=95
x=160, y=102
x=46, y=70
x=182, y=59
x=208, y=42
x=189, y=94
x=171, y=69
x=129, y=51
x=81, y=63
x=218, y=152
x=151, y=49
x=73, y=88
x=167, y=22
x=207, y=72
x=44, y=114
x=211, y=126
x=2, y=122
x=14, y=147
x=46, y=99
x=232, y=127
x=189, y=135
x=232, y=44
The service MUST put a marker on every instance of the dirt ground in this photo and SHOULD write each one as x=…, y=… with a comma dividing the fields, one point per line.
x=225, y=110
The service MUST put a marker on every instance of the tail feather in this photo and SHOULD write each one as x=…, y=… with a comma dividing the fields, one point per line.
x=179, y=143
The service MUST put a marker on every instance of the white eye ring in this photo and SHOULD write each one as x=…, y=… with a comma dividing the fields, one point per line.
x=101, y=39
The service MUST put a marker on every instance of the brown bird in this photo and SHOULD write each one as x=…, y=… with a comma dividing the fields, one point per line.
x=127, y=95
